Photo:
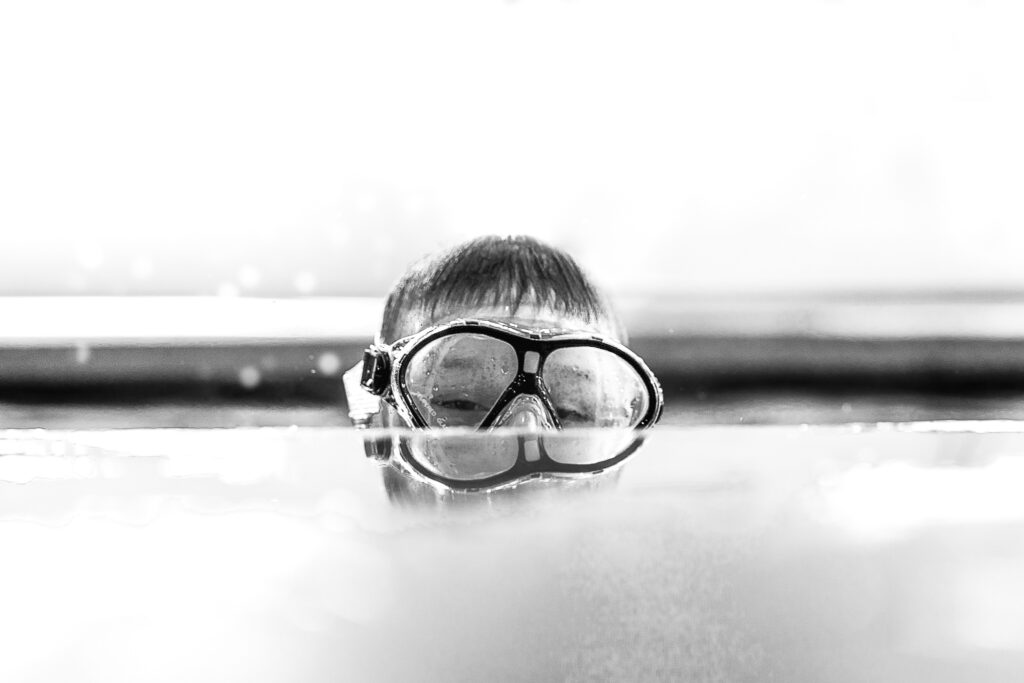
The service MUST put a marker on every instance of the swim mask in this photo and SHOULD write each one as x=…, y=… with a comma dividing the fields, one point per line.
x=479, y=375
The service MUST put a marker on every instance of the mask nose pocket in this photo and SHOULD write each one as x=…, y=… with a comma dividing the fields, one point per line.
x=525, y=412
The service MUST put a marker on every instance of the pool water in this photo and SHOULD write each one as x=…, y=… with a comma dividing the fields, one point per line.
x=882, y=552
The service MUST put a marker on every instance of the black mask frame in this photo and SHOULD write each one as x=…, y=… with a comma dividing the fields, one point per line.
x=384, y=368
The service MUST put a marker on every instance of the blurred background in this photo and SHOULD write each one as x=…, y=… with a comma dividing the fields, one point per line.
x=806, y=211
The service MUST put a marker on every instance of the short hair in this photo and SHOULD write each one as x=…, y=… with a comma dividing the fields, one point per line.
x=496, y=271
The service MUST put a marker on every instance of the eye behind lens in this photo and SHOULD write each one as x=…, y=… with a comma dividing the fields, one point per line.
x=460, y=404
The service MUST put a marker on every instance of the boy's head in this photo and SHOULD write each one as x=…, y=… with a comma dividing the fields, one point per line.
x=513, y=279
x=536, y=347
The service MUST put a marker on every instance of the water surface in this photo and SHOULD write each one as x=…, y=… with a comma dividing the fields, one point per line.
x=849, y=553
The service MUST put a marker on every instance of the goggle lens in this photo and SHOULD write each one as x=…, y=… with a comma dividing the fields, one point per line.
x=455, y=380
x=592, y=387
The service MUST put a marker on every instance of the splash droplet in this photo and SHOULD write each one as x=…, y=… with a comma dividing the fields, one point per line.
x=249, y=377
x=329, y=363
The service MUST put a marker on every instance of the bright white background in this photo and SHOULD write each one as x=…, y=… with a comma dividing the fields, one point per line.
x=312, y=148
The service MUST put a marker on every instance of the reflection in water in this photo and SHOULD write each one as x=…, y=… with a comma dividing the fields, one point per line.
x=456, y=467
x=407, y=491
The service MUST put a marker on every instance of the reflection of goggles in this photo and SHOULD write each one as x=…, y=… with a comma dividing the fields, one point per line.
x=480, y=374
x=473, y=461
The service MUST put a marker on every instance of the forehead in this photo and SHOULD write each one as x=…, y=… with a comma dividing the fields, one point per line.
x=531, y=316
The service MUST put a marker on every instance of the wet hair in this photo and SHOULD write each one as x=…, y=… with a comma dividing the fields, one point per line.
x=496, y=271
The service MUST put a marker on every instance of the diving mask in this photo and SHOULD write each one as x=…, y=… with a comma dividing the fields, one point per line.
x=481, y=374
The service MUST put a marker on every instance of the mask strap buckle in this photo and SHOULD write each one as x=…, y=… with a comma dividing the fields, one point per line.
x=363, y=405
x=376, y=375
